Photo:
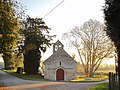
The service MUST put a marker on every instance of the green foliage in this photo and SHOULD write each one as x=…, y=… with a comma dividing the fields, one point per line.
x=112, y=18
x=9, y=31
x=36, y=40
x=9, y=60
x=9, y=27
x=101, y=86
x=18, y=58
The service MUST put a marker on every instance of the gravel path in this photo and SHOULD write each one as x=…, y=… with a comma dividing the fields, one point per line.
x=9, y=82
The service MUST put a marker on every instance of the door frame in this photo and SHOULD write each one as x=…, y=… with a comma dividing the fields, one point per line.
x=63, y=74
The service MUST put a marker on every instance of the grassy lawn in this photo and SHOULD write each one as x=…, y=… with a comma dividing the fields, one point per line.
x=90, y=79
x=101, y=86
x=105, y=71
x=24, y=76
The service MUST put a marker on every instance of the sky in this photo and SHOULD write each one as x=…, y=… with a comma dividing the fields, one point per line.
x=69, y=14
x=66, y=16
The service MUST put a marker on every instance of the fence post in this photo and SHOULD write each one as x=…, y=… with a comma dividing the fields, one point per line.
x=114, y=82
x=110, y=81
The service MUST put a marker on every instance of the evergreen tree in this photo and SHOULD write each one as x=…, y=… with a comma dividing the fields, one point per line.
x=9, y=32
x=36, y=40
x=112, y=21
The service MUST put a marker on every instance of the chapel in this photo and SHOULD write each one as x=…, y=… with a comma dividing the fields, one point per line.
x=60, y=66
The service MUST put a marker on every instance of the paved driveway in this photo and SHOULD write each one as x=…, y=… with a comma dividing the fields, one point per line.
x=9, y=82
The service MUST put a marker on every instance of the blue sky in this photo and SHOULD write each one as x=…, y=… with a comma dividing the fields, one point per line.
x=69, y=14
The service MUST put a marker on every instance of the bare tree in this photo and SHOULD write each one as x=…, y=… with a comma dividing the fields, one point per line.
x=92, y=44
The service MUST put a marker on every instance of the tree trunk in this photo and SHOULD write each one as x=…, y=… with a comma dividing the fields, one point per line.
x=32, y=61
x=9, y=63
x=91, y=72
x=118, y=49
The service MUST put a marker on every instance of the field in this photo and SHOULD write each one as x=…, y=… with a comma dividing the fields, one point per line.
x=105, y=71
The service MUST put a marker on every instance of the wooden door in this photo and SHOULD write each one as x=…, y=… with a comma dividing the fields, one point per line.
x=60, y=74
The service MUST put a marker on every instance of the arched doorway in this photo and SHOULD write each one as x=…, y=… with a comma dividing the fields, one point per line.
x=60, y=74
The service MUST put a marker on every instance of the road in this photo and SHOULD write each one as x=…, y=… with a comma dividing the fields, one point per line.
x=9, y=82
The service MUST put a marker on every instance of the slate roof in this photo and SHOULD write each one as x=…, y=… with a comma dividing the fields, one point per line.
x=61, y=53
x=58, y=43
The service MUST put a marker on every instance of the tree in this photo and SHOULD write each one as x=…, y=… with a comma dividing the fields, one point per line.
x=19, y=59
x=9, y=32
x=112, y=21
x=36, y=40
x=91, y=43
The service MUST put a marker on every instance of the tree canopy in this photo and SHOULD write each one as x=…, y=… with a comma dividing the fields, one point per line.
x=9, y=32
x=92, y=44
x=112, y=21
x=36, y=40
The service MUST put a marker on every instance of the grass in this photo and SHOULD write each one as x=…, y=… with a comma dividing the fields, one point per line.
x=90, y=79
x=41, y=78
x=105, y=71
x=101, y=86
x=26, y=77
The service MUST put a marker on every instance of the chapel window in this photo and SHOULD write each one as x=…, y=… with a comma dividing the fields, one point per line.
x=60, y=63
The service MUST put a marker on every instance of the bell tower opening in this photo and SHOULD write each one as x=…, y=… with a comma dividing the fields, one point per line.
x=57, y=46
